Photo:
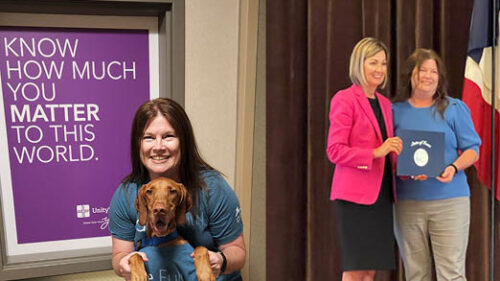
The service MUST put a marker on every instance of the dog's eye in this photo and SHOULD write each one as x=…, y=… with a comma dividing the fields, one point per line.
x=173, y=191
x=149, y=191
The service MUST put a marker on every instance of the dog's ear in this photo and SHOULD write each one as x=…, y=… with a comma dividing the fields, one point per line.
x=141, y=205
x=185, y=204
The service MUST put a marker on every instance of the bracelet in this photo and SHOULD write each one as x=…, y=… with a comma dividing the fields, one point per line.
x=454, y=167
x=224, y=262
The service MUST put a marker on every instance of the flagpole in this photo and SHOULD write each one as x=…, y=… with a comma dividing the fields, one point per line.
x=493, y=146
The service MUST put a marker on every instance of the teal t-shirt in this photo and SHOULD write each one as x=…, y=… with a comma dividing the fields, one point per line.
x=218, y=220
x=179, y=268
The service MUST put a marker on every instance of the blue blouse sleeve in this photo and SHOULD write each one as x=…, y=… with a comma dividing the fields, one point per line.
x=467, y=137
x=121, y=213
x=395, y=114
x=224, y=211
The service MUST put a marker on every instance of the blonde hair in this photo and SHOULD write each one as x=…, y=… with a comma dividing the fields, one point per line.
x=365, y=48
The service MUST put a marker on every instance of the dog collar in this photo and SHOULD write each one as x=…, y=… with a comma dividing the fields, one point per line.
x=155, y=241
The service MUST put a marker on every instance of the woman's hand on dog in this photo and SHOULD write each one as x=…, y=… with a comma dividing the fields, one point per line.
x=125, y=267
x=216, y=261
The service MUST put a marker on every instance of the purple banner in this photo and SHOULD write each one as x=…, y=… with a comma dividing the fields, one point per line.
x=69, y=98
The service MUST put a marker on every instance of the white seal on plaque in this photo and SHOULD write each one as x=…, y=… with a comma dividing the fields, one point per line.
x=421, y=157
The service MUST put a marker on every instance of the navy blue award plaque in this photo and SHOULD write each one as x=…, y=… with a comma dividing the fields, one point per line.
x=423, y=153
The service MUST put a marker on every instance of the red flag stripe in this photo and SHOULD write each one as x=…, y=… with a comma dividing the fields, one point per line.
x=481, y=116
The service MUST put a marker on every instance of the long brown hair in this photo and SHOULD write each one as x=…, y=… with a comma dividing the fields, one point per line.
x=191, y=161
x=414, y=62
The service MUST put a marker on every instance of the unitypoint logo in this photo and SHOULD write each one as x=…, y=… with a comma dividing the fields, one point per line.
x=83, y=211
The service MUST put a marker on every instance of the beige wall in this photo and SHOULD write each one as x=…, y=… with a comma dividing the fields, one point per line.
x=211, y=79
x=257, y=258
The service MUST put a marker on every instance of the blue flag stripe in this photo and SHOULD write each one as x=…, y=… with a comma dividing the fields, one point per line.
x=480, y=29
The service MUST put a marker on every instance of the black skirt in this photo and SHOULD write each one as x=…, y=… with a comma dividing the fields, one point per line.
x=366, y=232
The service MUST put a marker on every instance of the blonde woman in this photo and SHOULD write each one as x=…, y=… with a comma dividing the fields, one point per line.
x=363, y=149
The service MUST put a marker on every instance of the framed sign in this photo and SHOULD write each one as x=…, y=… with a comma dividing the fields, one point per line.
x=68, y=99
x=69, y=87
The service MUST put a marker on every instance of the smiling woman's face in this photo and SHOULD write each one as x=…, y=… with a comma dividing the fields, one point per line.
x=160, y=149
x=375, y=69
x=425, y=79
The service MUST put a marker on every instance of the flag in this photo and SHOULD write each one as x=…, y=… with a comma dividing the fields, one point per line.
x=477, y=88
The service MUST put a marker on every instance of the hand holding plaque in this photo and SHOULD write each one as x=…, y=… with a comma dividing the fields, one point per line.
x=423, y=153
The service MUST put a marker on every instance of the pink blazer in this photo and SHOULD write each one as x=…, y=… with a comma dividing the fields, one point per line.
x=353, y=135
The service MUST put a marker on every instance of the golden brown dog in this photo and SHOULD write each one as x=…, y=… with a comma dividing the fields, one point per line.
x=162, y=205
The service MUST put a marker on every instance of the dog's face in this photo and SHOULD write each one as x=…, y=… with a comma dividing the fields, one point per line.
x=162, y=204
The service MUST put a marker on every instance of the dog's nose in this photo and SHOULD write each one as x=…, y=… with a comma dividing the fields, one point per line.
x=159, y=209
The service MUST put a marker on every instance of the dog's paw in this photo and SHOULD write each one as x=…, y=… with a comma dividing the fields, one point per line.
x=205, y=276
x=202, y=264
x=139, y=276
x=137, y=269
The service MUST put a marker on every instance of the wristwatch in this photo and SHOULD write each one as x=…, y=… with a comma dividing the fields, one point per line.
x=454, y=167
x=224, y=262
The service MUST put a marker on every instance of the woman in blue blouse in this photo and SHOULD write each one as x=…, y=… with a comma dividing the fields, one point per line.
x=433, y=214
